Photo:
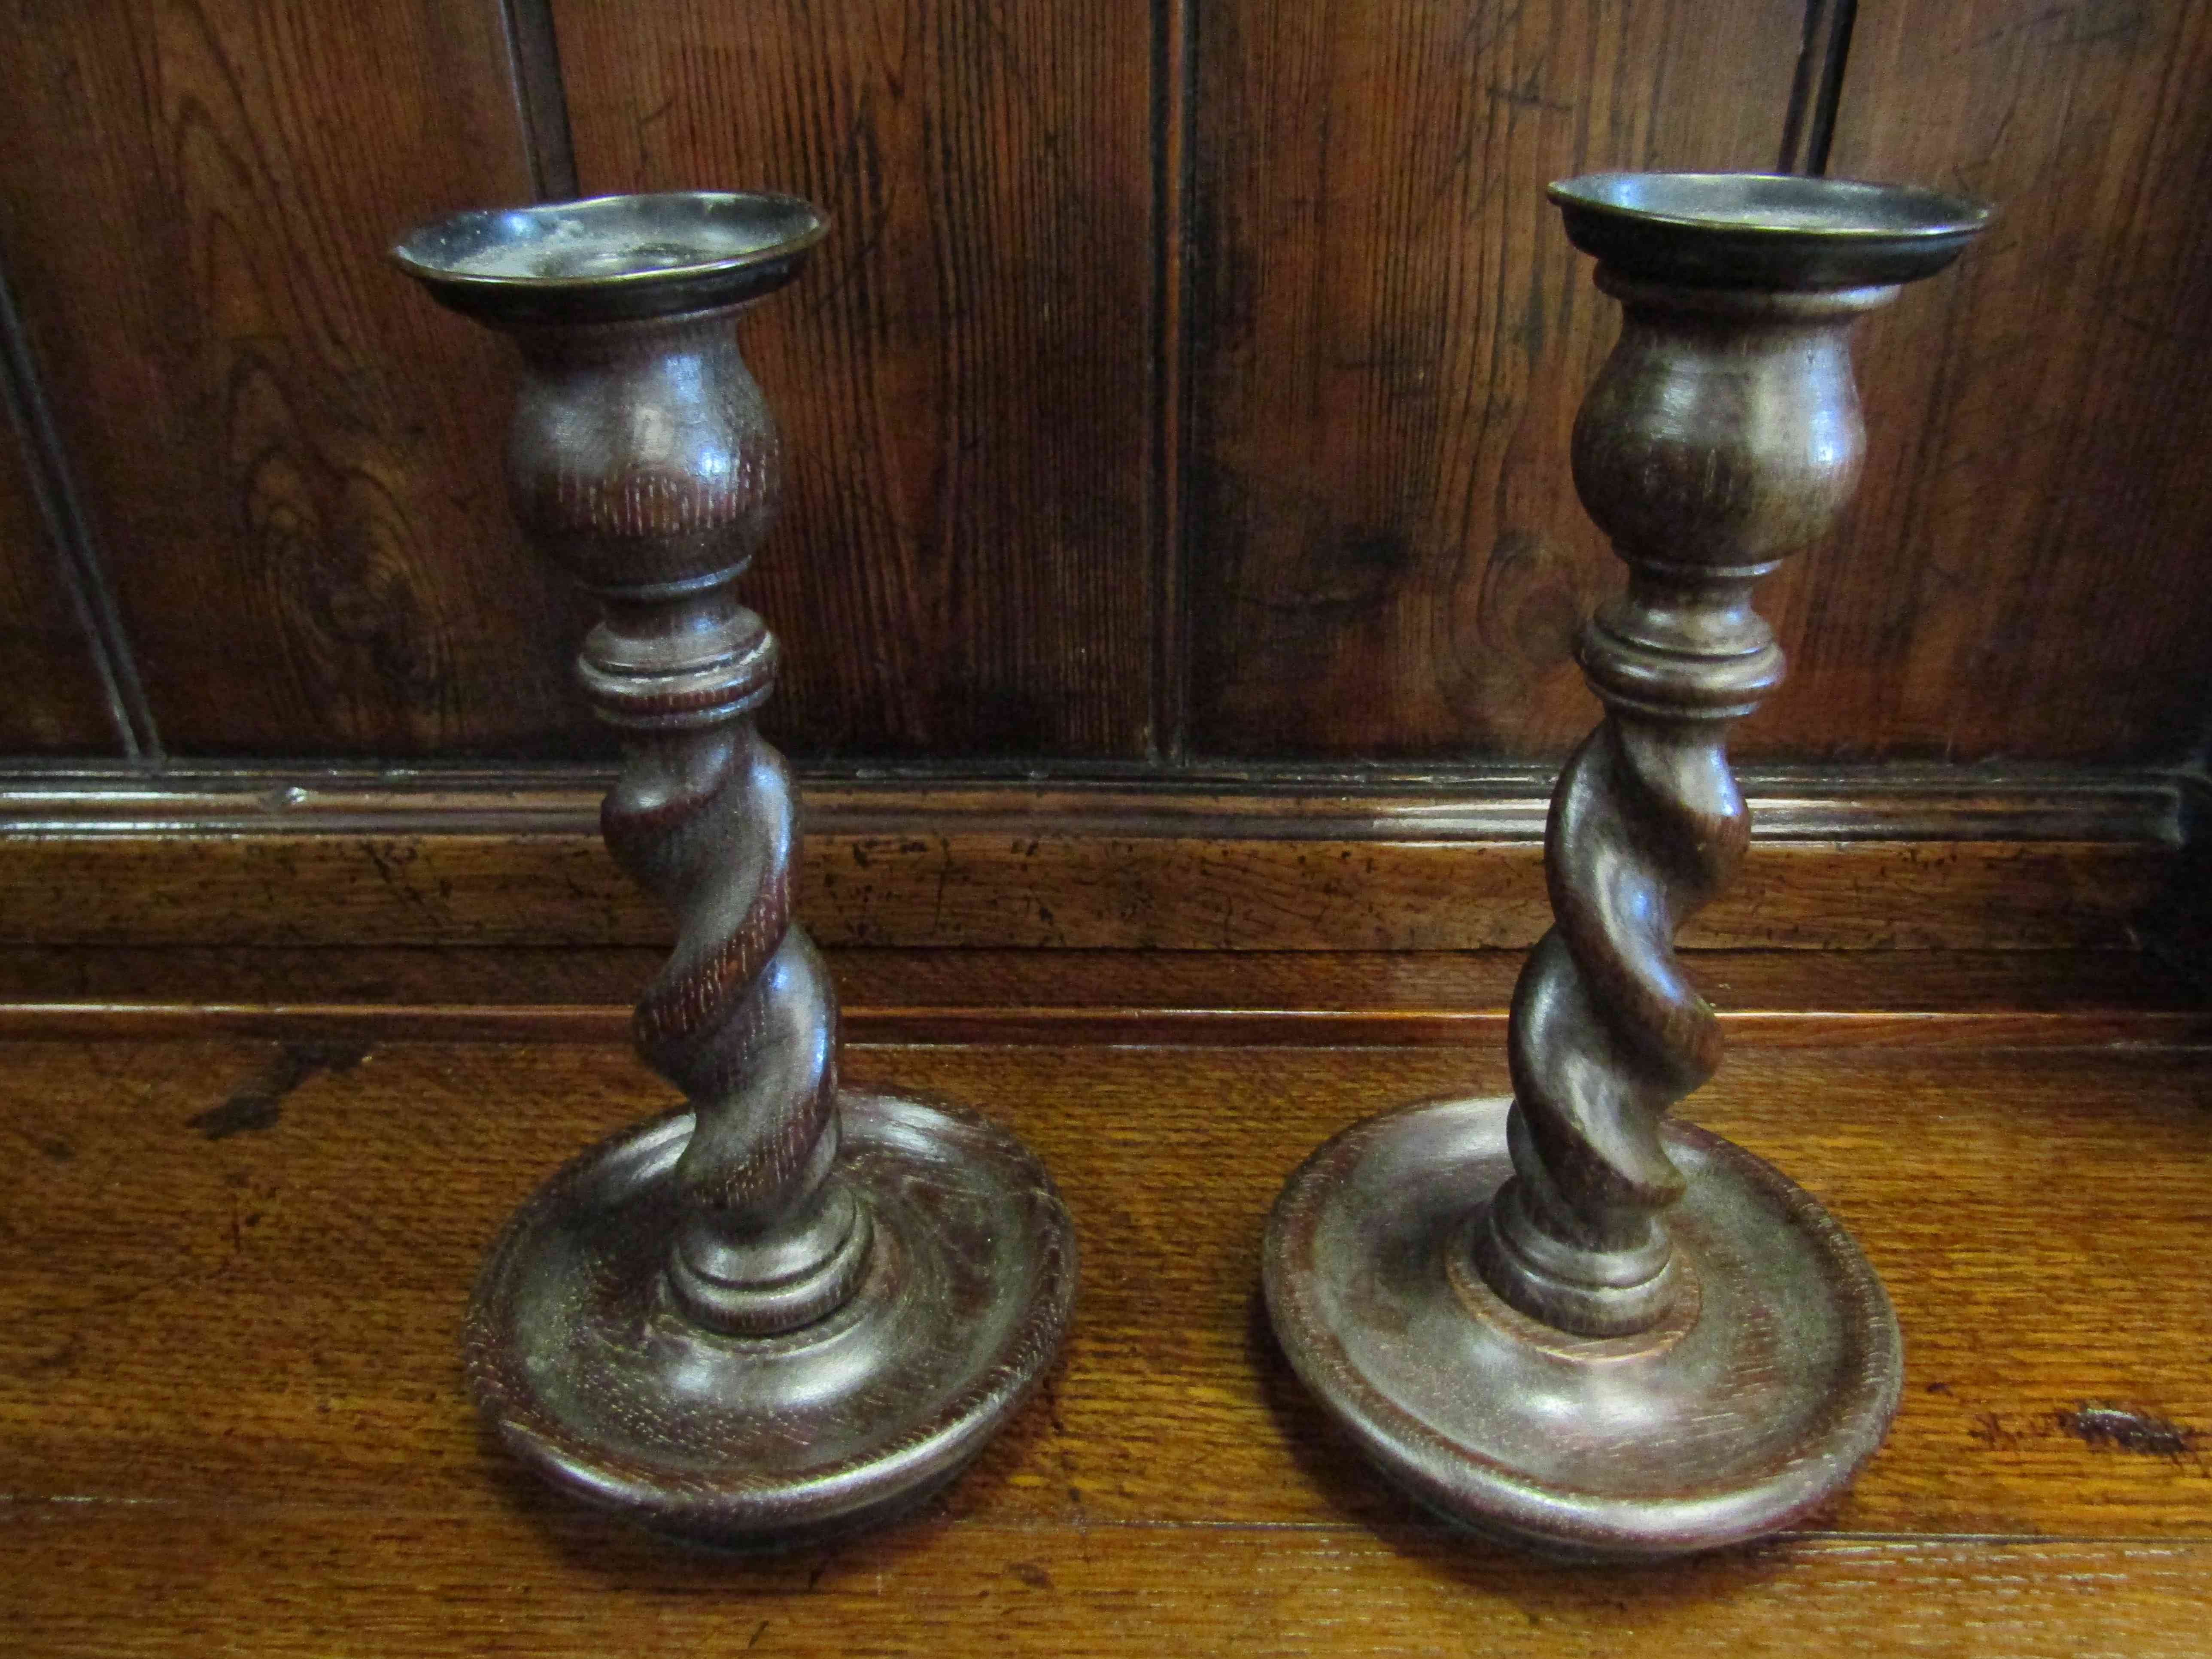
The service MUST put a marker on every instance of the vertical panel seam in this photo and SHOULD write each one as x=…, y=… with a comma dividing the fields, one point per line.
x=76, y=551
x=1174, y=72
x=1809, y=123
x=1825, y=109
x=541, y=97
x=1800, y=88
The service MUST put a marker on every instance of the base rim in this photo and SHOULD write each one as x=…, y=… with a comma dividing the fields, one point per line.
x=948, y=1191
x=1457, y=1444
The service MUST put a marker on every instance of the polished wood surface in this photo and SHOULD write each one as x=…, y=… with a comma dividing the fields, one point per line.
x=967, y=550
x=1407, y=1591
x=983, y=888
x=1961, y=986
x=1913, y=862
x=278, y=444
x=1384, y=349
x=233, y=1412
x=1952, y=998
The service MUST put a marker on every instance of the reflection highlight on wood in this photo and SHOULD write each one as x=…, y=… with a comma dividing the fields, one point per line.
x=1948, y=861
x=232, y=1355
x=1944, y=1000
x=323, y=1217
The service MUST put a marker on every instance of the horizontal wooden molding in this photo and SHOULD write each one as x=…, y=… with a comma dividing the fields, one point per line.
x=1892, y=858
x=1503, y=803
x=373, y=1025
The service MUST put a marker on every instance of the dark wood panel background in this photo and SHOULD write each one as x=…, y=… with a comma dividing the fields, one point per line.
x=964, y=378
x=1389, y=337
x=2025, y=573
x=1185, y=384
x=290, y=461
x=63, y=707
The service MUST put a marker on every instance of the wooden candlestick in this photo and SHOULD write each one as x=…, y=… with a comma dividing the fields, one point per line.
x=782, y=1312
x=1564, y=1320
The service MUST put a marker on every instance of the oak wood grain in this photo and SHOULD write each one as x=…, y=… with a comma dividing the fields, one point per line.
x=55, y=702
x=1366, y=393
x=966, y=564
x=1942, y=858
x=1792, y=990
x=980, y=888
x=1387, y=339
x=205, y=1210
x=1959, y=982
x=281, y=446
x=2021, y=575
x=1796, y=999
x=130, y=1583
x=231, y=1405
x=1031, y=1024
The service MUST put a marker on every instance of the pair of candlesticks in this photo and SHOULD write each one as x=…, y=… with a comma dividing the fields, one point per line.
x=788, y=1311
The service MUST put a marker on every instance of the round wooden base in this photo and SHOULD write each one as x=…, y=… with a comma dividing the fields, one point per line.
x=1772, y=1380
x=580, y=1359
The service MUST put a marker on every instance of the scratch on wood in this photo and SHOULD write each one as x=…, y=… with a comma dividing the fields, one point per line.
x=2127, y=1430
x=1529, y=94
x=1990, y=1430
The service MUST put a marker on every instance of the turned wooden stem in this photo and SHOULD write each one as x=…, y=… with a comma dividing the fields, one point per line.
x=644, y=460
x=784, y=1314
x=1560, y=1318
x=1722, y=433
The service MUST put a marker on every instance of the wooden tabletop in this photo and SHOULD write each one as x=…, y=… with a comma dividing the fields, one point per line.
x=236, y=1255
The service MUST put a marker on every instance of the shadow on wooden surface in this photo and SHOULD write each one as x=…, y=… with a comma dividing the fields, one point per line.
x=233, y=1419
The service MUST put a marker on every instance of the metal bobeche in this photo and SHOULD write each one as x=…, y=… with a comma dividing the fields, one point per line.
x=1757, y=229
x=612, y=258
